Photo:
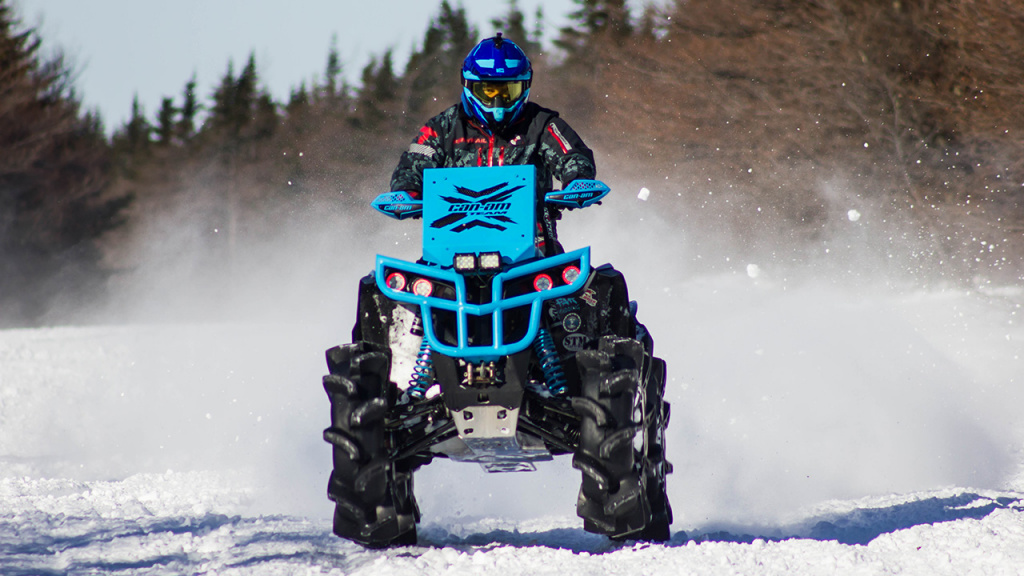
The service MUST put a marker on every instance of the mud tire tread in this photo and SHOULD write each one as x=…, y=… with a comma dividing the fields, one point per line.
x=622, y=493
x=374, y=502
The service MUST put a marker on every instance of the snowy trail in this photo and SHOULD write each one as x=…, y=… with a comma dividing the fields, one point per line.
x=181, y=523
x=817, y=429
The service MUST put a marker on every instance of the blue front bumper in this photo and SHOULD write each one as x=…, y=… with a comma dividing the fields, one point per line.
x=495, y=308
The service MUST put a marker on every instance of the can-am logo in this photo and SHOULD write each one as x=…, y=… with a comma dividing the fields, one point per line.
x=499, y=208
x=486, y=208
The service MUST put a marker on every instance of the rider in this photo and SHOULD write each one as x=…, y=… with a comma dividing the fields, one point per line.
x=495, y=125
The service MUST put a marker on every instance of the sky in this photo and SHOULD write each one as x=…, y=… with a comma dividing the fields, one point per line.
x=120, y=48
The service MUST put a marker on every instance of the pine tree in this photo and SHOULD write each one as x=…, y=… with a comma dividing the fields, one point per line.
x=333, y=70
x=298, y=100
x=538, y=26
x=385, y=84
x=245, y=96
x=597, y=21
x=131, y=141
x=378, y=93
x=186, y=127
x=224, y=101
x=165, y=122
x=54, y=167
x=432, y=73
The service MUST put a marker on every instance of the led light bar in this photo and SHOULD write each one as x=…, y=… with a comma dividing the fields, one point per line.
x=490, y=261
x=464, y=262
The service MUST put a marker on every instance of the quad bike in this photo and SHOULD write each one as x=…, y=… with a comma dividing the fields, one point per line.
x=487, y=351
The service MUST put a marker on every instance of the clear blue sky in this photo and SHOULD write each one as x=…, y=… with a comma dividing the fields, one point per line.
x=152, y=47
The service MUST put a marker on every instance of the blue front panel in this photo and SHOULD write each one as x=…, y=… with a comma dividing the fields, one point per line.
x=494, y=309
x=473, y=210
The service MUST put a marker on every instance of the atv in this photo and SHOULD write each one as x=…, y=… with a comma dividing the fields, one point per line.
x=487, y=351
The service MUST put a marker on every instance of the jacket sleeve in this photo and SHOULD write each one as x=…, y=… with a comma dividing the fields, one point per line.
x=565, y=153
x=425, y=151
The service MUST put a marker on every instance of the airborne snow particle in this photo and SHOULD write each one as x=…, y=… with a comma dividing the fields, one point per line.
x=853, y=215
x=644, y=194
x=753, y=270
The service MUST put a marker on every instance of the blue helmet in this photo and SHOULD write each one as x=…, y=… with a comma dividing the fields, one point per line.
x=496, y=80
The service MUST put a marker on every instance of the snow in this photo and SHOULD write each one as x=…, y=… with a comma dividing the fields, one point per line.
x=816, y=430
x=184, y=523
x=819, y=426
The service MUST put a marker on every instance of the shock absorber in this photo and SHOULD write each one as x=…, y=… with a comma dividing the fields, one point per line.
x=423, y=371
x=550, y=364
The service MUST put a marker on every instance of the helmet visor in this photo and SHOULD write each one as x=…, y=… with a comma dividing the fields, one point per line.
x=488, y=92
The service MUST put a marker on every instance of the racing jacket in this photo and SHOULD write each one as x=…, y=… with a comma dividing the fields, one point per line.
x=539, y=137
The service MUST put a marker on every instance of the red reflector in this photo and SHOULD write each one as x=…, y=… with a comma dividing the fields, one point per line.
x=542, y=282
x=422, y=287
x=395, y=281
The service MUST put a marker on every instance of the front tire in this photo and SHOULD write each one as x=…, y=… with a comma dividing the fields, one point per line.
x=621, y=449
x=374, y=501
x=656, y=467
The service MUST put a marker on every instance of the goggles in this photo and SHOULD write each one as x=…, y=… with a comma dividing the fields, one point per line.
x=490, y=92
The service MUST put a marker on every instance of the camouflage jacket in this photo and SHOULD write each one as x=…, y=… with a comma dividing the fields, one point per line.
x=538, y=137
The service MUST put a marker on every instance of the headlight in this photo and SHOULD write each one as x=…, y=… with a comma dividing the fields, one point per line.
x=464, y=262
x=490, y=261
x=570, y=274
x=542, y=282
x=422, y=287
x=395, y=281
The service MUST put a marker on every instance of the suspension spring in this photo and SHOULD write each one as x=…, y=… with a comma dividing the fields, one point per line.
x=550, y=364
x=423, y=371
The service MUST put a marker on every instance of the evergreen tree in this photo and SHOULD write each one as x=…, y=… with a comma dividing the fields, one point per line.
x=432, y=73
x=136, y=134
x=246, y=95
x=378, y=93
x=265, y=117
x=54, y=166
x=597, y=21
x=333, y=70
x=165, y=121
x=241, y=110
x=186, y=127
x=298, y=100
x=224, y=101
x=538, y=27
x=385, y=84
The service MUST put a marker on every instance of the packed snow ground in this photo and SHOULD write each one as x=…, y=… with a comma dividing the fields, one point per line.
x=815, y=430
x=819, y=427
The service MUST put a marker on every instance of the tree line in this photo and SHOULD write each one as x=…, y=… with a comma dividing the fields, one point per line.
x=770, y=117
x=55, y=172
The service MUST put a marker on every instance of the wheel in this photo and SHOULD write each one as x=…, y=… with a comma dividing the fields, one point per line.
x=620, y=453
x=374, y=501
x=655, y=466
